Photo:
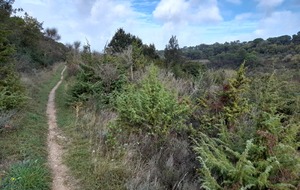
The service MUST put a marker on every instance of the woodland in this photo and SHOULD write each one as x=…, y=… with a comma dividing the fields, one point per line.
x=219, y=116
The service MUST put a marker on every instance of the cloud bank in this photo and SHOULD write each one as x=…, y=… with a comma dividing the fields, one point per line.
x=155, y=21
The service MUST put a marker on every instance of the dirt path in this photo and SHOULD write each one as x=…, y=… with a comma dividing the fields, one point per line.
x=61, y=180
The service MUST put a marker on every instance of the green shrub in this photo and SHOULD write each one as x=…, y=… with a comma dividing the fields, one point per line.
x=149, y=107
x=26, y=175
x=12, y=92
x=98, y=82
x=86, y=86
x=258, y=150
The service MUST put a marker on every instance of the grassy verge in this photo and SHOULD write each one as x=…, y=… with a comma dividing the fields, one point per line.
x=23, y=154
x=93, y=170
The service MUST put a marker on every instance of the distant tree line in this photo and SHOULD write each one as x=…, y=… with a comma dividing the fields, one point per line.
x=282, y=49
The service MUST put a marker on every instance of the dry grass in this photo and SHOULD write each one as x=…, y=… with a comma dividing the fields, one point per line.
x=137, y=162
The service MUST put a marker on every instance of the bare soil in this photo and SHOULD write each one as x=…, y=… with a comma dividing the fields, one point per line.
x=60, y=176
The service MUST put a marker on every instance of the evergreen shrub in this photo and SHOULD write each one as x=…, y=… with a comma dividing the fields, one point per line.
x=149, y=107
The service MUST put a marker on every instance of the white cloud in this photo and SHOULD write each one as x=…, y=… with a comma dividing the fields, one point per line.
x=243, y=16
x=187, y=11
x=171, y=10
x=268, y=4
x=109, y=11
x=278, y=23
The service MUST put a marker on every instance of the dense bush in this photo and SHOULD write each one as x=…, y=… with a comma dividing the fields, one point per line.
x=12, y=93
x=86, y=86
x=98, y=82
x=248, y=143
x=149, y=107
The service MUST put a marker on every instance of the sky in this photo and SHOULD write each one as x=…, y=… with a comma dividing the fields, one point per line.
x=193, y=22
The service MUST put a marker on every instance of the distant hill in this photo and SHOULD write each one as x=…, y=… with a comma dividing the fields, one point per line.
x=279, y=51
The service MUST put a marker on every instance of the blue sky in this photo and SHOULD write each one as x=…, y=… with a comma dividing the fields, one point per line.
x=155, y=21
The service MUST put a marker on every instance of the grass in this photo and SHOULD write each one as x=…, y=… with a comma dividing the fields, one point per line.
x=29, y=174
x=23, y=153
x=93, y=169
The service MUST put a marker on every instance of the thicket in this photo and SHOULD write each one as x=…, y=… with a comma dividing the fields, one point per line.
x=176, y=125
x=245, y=140
x=95, y=80
x=101, y=76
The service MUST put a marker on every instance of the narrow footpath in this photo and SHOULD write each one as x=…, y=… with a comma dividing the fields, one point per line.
x=61, y=180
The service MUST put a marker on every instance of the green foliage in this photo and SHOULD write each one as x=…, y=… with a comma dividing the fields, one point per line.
x=5, y=8
x=149, y=107
x=122, y=40
x=248, y=143
x=12, y=92
x=6, y=49
x=96, y=81
x=27, y=175
x=257, y=53
x=234, y=105
x=226, y=106
x=23, y=37
x=193, y=69
x=224, y=168
x=172, y=53
x=23, y=147
x=150, y=51
x=86, y=86
x=86, y=157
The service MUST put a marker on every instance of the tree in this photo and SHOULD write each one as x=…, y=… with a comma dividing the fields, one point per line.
x=296, y=38
x=31, y=32
x=5, y=8
x=52, y=33
x=281, y=40
x=121, y=40
x=172, y=52
x=150, y=51
x=257, y=41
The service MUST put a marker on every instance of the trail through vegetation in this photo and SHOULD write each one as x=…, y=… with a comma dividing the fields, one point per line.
x=59, y=170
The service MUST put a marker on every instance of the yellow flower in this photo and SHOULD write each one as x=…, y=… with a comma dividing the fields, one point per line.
x=12, y=179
